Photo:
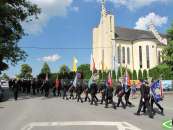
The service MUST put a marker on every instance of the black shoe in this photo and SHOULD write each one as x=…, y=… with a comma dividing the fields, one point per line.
x=151, y=116
x=138, y=114
x=162, y=112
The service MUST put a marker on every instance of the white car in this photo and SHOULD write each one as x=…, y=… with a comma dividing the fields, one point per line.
x=4, y=90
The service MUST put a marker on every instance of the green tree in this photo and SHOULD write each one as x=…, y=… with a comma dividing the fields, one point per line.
x=145, y=74
x=26, y=71
x=119, y=73
x=134, y=75
x=168, y=51
x=64, y=69
x=12, y=14
x=45, y=69
x=161, y=71
x=5, y=76
x=114, y=75
x=140, y=76
x=85, y=69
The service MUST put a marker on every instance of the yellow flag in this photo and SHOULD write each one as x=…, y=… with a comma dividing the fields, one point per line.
x=75, y=61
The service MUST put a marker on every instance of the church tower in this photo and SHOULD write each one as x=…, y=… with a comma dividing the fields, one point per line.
x=103, y=39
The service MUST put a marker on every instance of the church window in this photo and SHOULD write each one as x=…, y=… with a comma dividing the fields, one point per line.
x=119, y=54
x=140, y=56
x=159, y=57
x=124, y=58
x=148, y=56
x=128, y=55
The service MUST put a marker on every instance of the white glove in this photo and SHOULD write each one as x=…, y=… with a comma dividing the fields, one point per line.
x=143, y=100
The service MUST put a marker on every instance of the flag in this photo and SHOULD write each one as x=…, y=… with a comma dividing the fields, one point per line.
x=92, y=64
x=110, y=79
x=75, y=61
x=75, y=81
x=157, y=90
x=126, y=80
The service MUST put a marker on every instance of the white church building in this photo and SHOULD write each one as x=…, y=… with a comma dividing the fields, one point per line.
x=115, y=46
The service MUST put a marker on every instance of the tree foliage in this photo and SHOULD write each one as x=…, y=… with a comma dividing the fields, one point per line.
x=161, y=71
x=145, y=74
x=26, y=71
x=12, y=14
x=64, y=69
x=168, y=51
x=85, y=69
x=140, y=76
x=45, y=69
x=134, y=75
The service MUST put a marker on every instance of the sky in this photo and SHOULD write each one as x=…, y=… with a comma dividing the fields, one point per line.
x=69, y=23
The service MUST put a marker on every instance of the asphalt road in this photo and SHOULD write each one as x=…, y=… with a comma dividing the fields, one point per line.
x=40, y=113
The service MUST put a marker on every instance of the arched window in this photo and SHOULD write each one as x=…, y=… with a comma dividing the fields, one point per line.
x=159, y=57
x=128, y=55
x=124, y=57
x=119, y=54
x=148, y=56
x=140, y=56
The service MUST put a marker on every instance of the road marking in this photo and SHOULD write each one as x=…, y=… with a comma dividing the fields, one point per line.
x=168, y=124
x=119, y=125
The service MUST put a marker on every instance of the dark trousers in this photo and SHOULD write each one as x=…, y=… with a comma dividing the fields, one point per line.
x=103, y=98
x=87, y=97
x=71, y=95
x=145, y=104
x=120, y=101
x=15, y=95
x=79, y=97
x=94, y=99
x=59, y=92
x=157, y=104
x=54, y=92
x=65, y=94
x=126, y=97
x=46, y=93
x=109, y=100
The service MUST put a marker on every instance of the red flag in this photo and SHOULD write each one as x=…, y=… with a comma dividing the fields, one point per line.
x=109, y=79
x=161, y=88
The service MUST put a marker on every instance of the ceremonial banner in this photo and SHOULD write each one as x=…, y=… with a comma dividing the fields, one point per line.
x=127, y=81
x=75, y=61
x=110, y=79
x=157, y=90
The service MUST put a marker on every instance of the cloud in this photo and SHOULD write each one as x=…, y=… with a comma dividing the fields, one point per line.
x=133, y=4
x=156, y=19
x=50, y=8
x=51, y=58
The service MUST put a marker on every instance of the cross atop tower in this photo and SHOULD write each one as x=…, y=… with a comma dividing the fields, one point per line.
x=103, y=8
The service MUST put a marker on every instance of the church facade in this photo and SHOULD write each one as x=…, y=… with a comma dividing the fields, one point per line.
x=118, y=46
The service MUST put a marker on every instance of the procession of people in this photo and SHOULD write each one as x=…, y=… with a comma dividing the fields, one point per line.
x=102, y=92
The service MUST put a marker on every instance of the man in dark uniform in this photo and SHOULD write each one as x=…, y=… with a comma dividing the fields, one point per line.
x=79, y=90
x=120, y=93
x=109, y=96
x=16, y=89
x=93, y=91
x=103, y=91
x=127, y=95
x=46, y=86
x=64, y=88
x=86, y=91
x=144, y=100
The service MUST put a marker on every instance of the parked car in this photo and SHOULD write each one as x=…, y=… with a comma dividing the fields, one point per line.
x=4, y=90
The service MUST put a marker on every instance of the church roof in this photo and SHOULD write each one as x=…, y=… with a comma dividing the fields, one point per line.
x=133, y=34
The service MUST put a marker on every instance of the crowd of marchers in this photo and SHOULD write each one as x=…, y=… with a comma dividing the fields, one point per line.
x=83, y=91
